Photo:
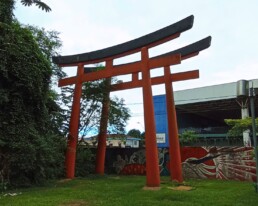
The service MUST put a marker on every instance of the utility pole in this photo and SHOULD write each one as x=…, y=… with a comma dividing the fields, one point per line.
x=243, y=100
x=252, y=96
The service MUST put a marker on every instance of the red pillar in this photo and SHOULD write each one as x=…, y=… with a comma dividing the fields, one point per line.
x=174, y=147
x=152, y=165
x=101, y=151
x=74, y=126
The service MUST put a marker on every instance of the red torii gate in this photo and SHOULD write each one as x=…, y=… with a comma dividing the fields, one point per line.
x=107, y=55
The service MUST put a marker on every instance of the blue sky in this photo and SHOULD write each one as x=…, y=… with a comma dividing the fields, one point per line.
x=86, y=25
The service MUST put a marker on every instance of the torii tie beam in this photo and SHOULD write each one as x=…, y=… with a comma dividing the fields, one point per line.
x=107, y=55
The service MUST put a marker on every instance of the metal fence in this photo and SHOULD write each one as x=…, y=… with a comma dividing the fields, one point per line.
x=215, y=140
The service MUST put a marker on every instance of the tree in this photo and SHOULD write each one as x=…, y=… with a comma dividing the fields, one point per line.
x=31, y=149
x=6, y=11
x=134, y=133
x=238, y=126
x=118, y=116
x=91, y=106
x=7, y=7
x=187, y=136
x=49, y=44
x=38, y=3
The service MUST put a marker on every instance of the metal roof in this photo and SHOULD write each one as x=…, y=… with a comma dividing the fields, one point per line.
x=216, y=102
x=209, y=93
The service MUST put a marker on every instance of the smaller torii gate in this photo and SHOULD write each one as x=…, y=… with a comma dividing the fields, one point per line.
x=144, y=66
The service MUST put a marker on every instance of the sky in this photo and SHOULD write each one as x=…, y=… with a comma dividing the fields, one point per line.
x=89, y=25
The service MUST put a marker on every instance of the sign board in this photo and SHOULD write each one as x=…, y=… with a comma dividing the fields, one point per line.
x=161, y=137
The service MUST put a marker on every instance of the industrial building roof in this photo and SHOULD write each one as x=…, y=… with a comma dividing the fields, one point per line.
x=217, y=101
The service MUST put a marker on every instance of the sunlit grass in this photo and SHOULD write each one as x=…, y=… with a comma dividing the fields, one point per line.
x=128, y=190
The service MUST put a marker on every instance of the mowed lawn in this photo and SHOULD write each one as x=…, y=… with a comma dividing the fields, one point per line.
x=128, y=190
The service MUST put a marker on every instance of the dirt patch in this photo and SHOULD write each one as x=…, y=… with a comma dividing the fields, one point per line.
x=75, y=203
x=181, y=188
x=115, y=178
x=64, y=180
x=151, y=188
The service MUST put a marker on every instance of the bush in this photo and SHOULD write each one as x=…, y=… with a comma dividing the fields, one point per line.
x=84, y=161
x=188, y=136
x=31, y=150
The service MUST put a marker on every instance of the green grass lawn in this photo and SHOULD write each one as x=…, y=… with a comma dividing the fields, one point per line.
x=128, y=190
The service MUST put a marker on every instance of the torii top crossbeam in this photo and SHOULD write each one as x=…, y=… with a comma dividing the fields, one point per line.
x=144, y=66
x=129, y=47
x=150, y=40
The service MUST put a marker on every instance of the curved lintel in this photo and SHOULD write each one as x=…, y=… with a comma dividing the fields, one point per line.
x=149, y=40
x=191, y=49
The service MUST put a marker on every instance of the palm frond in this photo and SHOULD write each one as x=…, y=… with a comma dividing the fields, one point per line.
x=27, y=2
x=38, y=3
x=42, y=6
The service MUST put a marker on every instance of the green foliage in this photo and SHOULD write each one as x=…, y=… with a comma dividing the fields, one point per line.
x=93, y=94
x=134, y=133
x=24, y=77
x=31, y=150
x=238, y=126
x=49, y=44
x=36, y=161
x=118, y=116
x=187, y=136
x=137, y=133
x=7, y=7
x=84, y=161
x=6, y=11
x=38, y=3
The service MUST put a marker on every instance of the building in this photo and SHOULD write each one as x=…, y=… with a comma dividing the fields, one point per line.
x=114, y=140
x=204, y=109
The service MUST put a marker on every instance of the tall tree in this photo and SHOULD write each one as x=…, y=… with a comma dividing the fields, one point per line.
x=6, y=11
x=30, y=147
x=49, y=44
x=91, y=107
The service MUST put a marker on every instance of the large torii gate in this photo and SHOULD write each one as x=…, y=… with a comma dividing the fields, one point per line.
x=144, y=66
